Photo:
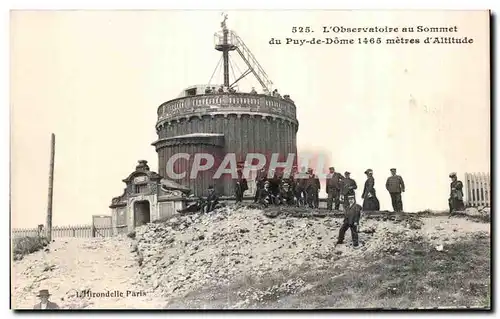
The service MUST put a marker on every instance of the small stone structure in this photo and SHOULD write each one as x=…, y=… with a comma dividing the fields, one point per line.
x=147, y=197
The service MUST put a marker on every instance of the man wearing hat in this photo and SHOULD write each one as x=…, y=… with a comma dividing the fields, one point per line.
x=265, y=196
x=260, y=180
x=370, y=200
x=333, y=181
x=44, y=301
x=395, y=186
x=212, y=200
x=240, y=187
x=301, y=179
x=312, y=189
x=351, y=220
x=456, y=200
x=348, y=187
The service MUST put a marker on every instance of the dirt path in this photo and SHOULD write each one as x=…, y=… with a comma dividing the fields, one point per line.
x=74, y=265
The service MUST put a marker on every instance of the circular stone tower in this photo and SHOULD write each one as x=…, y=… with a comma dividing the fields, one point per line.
x=218, y=120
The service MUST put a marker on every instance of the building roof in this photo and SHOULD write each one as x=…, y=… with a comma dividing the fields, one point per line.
x=195, y=135
x=215, y=139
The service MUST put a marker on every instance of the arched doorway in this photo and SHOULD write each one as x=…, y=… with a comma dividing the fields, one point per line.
x=142, y=213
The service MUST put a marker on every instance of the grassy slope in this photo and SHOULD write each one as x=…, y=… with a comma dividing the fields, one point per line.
x=26, y=245
x=418, y=276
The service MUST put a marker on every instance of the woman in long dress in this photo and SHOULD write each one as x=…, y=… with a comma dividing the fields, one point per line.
x=370, y=200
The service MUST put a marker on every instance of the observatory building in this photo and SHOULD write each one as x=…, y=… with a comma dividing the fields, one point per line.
x=215, y=120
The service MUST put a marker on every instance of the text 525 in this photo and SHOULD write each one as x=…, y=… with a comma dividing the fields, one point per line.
x=301, y=29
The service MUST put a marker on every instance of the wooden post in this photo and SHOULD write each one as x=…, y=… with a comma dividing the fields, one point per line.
x=51, y=187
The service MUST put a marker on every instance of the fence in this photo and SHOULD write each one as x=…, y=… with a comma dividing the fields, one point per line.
x=477, y=189
x=84, y=231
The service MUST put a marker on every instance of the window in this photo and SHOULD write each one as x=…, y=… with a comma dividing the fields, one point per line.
x=139, y=189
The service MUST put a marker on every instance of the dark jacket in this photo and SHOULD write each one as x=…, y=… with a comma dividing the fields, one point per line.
x=261, y=178
x=353, y=214
x=456, y=190
x=301, y=180
x=213, y=198
x=313, y=184
x=369, y=187
x=264, y=196
x=274, y=185
x=241, y=185
x=333, y=181
x=348, y=186
x=50, y=305
x=395, y=184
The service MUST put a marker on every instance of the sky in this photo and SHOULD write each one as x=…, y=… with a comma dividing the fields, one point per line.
x=96, y=78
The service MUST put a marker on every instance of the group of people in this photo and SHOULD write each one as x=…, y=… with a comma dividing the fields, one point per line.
x=205, y=205
x=224, y=89
x=302, y=189
x=395, y=186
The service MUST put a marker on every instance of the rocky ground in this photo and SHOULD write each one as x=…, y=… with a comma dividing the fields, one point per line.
x=246, y=247
x=240, y=257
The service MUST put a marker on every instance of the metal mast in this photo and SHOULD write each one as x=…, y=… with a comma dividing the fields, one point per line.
x=225, y=46
x=228, y=40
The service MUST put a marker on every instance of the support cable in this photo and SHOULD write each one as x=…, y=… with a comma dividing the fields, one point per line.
x=216, y=67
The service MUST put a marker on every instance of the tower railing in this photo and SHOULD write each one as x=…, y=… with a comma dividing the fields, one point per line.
x=227, y=102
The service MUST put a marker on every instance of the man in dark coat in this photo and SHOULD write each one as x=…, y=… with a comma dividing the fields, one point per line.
x=351, y=220
x=370, y=200
x=395, y=186
x=212, y=200
x=456, y=200
x=312, y=190
x=265, y=196
x=286, y=194
x=301, y=179
x=44, y=301
x=240, y=187
x=259, y=181
x=333, y=185
x=348, y=187
x=274, y=184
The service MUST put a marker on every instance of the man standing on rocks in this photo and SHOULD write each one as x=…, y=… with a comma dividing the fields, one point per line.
x=260, y=180
x=313, y=187
x=351, y=220
x=241, y=186
x=333, y=181
x=300, y=187
x=348, y=187
x=274, y=183
x=456, y=201
x=395, y=186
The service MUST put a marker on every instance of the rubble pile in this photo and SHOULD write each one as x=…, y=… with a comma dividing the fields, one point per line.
x=188, y=253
